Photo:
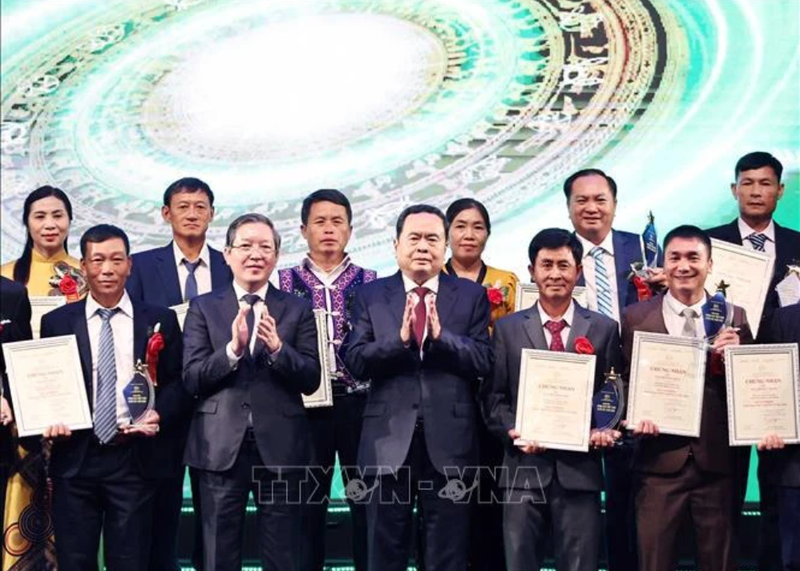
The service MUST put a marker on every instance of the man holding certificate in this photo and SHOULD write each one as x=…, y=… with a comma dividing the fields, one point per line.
x=683, y=476
x=552, y=491
x=105, y=479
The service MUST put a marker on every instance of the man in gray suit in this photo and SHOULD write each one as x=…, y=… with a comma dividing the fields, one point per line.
x=550, y=491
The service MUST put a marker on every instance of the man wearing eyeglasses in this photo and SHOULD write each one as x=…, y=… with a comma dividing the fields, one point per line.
x=251, y=352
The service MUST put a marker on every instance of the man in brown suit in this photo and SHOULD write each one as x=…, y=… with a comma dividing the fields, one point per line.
x=679, y=476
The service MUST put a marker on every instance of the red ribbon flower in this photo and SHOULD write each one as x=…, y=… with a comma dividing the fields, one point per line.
x=495, y=296
x=642, y=289
x=583, y=346
x=154, y=346
x=69, y=287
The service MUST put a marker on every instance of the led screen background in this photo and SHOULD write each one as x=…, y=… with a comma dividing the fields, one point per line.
x=394, y=102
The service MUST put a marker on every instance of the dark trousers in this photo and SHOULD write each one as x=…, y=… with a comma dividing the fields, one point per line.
x=769, y=540
x=335, y=429
x=571, y=518
x=109, y=497
x=664, y=502
x=166, y=519
x=789, y=518
x=620, y=516
x=197, y=548
x=486, y=531
x=224, y=495
x=3, y=484
x=445, y=516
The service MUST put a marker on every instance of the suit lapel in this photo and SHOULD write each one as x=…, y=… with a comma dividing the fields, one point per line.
x=626, y=251
x=140, y=325
x=581, y=322
x=446, y=298
x=533, y=328
x=81, y=330
x=783, y=251
x=219, y=277
x=655, y=320
x=395, y=296
x=168, y=274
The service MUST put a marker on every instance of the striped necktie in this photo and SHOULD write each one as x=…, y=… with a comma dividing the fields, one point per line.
x=758, y=240
x=603, y=286
x=105, y=412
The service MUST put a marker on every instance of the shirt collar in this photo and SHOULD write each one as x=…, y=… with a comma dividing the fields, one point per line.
x=432, y=284
x=241, y=292
x=568, y=316
x=310, y=265
x=677, y=307
x=205, y=256
x=124, y=305
x=745, y=230
x=607, y=244
x=60, y=256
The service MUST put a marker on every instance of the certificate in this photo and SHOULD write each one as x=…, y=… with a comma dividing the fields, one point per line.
x=41, y=304
x=554, y=401
x=46, y=384
x=323, y=396
x=666, y=384
x=181, y=310
x=763, y=393
x=749, y=274
x=527, y=294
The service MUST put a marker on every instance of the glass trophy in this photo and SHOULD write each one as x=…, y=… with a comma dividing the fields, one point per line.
x=140, y=394
x=608, y=403
x=650, y=242
x=717, y=312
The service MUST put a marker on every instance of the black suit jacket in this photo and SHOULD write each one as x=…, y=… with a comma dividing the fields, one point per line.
x=271, y=391
x=155, y=457
x=442, y=385
x=523, y=330
x=16, y=309
x=154, y=276
x=787, y=251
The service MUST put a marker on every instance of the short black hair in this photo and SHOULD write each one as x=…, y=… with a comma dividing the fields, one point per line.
x=101, y=233
x=463, y=204
x=188, y=184
x=553, y=239
x=757, y=160
x=690, y=232
x=588, y=172
x=420, y=209
x=252, y=218
x=325, y=195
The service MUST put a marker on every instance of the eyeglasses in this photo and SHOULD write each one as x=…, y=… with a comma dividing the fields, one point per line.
x=248, y=249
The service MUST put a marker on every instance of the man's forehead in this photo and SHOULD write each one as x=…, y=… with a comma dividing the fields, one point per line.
x=255, y=231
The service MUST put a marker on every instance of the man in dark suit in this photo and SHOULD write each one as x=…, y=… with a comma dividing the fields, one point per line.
x=169, y=276
x=250, y=353
x=15, y=325
x=757, y=190
x=105, y=479
x=422, y=339
x=783, y=461
x=606, y=263
x=682, y=477
x=564, y=499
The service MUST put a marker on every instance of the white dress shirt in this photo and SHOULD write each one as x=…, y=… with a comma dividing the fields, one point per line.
x=671, y=310
x=568, y=317
x=258, y=309
x=202, y=273
x=589, y=273
x=769, y=232
x=433, y=285
x=122, y=328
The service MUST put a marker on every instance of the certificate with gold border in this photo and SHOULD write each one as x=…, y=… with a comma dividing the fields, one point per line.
x=528, y=294
x=763, y=383
x=323, y=396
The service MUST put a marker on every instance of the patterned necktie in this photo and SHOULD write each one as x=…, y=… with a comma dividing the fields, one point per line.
x=251, y=299
x=105, y=413
x=689, y=316
x=758, y=240
x=555, y=328
x=420, y=314
x=190, y=285
x=604, y=304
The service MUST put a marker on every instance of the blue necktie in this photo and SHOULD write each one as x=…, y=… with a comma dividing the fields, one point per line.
x=758, y=240
x=105, y=412
x=604, y=304
x=190, y=286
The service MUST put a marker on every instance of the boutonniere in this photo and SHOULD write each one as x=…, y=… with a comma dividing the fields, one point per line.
x=155, y=344
x=583, y=346
x=68, y=281
x=637, y=276
x=496, y=294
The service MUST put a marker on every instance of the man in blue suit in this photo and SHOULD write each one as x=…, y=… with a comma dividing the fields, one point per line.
x=105, y=479
x=607, y=258
x=168, y=276
x=422, y=339
x=250, y=354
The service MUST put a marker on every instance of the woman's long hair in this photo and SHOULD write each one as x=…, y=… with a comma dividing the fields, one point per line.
x=22, y=269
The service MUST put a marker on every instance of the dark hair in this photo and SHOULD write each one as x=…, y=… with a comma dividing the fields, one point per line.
x=553, y=239
x=251, y=218
x=757, y=160
x=463, y=204
x=420, y=209
x=188, y=184
x=22, y=267
x=688, y=231
x=325, y=195
x=101, y=233
x=588, y=172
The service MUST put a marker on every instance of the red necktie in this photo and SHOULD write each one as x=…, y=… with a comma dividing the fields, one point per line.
x=420, y=314
x=555, y=328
